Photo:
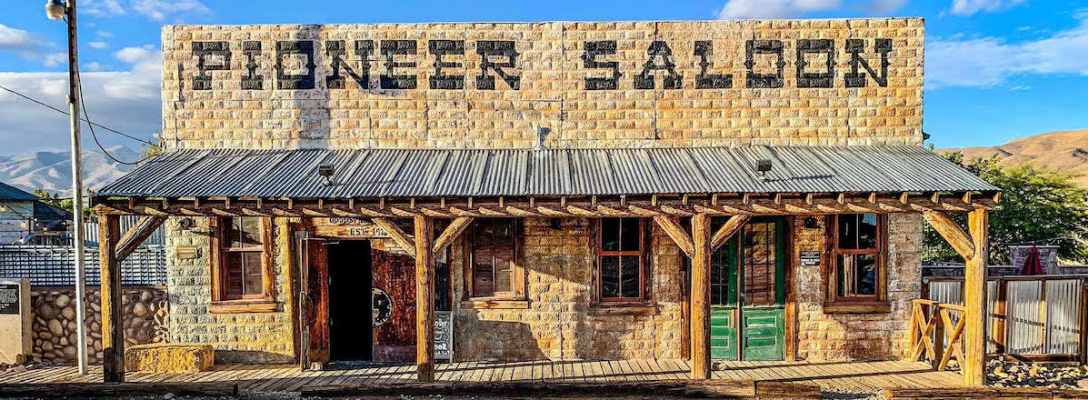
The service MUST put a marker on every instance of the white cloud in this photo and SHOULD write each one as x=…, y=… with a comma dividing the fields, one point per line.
x=23, y=43
x=55, y=59
x=991, y=61
x=158, y=10
x=127, y=100
x=104, y=34
x=738, y=9
x=98, y=45
x=102, y=8
x=970, y=7
x=92, y=66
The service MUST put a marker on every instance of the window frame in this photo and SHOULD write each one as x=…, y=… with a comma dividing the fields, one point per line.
x=877, y=302
x=517, y=271
x=643, y=258
x=221, y=303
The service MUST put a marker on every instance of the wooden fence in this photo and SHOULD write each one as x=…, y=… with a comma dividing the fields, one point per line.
x=1038, y=318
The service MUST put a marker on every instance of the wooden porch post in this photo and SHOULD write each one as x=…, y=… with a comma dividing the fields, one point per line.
x=700, y=297
x=113, y=333
x=424, y=229
x=974, y=299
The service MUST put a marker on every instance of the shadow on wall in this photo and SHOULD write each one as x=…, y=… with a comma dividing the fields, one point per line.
x=250, y=357
x=499, y=340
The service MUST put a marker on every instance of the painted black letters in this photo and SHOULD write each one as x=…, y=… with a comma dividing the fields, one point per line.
x=290, y=81
x=500, y=48
x=704, y=49
x=856, y=78
x=252, y=81
x=440, y=48
x=202, y=50
x=820, y=79
x=589, y=60
x=336, y=50
x=757, y=80
x=659, y=58
x=390, y=48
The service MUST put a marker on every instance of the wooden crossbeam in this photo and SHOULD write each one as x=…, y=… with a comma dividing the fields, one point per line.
x=398, y=235
x=452, y=232
x=952, y=233
x=137, y=235
x=730, y=228
x=672, y=228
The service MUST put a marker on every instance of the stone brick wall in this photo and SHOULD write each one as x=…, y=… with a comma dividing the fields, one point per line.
x=237, y=337
x=145, y=316
x=837, y=336
x=589, y=84
x=561, y=322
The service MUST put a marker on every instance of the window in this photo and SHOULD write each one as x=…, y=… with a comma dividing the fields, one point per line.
x=495, y=271
x=857, y=258
x=241, y=267
x=620, y=260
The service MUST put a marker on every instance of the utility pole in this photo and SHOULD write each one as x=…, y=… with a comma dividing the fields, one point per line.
x=54, y=9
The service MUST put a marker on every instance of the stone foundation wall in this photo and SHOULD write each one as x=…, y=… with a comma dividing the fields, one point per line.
x=838, y=336
x=264, y=337
x=145, y=313
x=561, y=322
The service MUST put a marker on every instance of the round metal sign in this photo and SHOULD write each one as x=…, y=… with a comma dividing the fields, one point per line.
x=382, y=306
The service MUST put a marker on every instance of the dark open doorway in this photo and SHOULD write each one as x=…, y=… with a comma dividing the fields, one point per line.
x=351, y=327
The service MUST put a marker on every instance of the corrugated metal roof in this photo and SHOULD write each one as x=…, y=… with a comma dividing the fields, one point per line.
x=12, y=193
x=523, y=172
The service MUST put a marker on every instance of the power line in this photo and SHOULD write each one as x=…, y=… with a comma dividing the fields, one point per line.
x=87, y=117
x=43, y=104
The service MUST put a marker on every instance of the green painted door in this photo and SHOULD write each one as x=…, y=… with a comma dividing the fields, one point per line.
x=748, y=293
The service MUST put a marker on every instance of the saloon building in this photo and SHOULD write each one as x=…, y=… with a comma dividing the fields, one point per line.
x=736, y=190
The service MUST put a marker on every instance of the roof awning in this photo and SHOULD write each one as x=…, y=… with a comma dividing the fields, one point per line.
x=372, y=173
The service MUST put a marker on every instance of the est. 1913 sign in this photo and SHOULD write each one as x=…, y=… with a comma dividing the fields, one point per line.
x=347, y=228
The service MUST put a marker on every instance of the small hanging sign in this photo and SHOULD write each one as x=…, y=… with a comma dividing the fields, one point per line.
x=810, y=258
x=443, y=335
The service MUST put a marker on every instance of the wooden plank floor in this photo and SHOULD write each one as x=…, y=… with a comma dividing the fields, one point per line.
x=257, y=378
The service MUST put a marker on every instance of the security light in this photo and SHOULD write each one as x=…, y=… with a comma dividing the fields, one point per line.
x=55, y=9
x=763, y=167
x=326, y=171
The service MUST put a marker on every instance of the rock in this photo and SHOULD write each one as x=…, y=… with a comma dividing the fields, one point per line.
x=62, y=301
x=47, y=312
x=69, y=313
x=140, y=310
x=45, y=335
x=146, y=296
x=70, y=352
x=56, y=328
x=1083, y=383
x=47, y=347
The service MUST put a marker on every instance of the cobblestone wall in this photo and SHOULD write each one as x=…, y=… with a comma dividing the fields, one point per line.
x=145, y=313
x=252, y=337
x=843, y=336
x=588, y=84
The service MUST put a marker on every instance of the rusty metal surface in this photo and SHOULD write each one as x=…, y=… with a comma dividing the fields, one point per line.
x=523, y=172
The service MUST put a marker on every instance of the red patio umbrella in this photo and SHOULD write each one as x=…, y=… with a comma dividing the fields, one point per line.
x=1032, y=265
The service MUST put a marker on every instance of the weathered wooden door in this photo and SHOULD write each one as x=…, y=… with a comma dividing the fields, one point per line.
x=395, y=337
x=748, y=293
x=314, y=303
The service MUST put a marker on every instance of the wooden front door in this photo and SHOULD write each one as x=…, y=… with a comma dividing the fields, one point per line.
x=314, y=303
x=748, y=293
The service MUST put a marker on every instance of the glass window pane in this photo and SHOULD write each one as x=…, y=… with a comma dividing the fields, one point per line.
x=243, y=232
x=232, y=276
x=629, y=237
x=252, y=274
x=483, y=284
x=610, y=234
x=848, y=231
x=865, y=274
x=504, y=269
x=610, y=276
x=867, y=231
x=631, y=273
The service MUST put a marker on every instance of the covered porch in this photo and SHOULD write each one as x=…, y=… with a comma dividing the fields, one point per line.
x=679, y=190
x=829, y=376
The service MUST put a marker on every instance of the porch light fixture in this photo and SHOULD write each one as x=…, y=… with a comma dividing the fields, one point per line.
x=326, y=171
x=763, y=167
x=811, y=222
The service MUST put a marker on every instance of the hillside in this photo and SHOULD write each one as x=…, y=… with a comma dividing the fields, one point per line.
x=52, y=171
x=1065, y=151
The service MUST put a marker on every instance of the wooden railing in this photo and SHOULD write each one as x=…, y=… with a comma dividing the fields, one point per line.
x=936, y=333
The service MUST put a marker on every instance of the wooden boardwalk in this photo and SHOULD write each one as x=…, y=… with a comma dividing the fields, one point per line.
x=288, y=378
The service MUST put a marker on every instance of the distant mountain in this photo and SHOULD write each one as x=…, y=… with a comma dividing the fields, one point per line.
x=1065, y=151
x=52, y=171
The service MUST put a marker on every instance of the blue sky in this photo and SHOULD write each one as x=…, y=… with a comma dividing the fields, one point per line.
x=996, y=70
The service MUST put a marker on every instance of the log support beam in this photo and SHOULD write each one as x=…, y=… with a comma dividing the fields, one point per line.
x=424, y=253
x=452, y=232
x=137, y=235
x=398, y=235
x=113, y=339
x=730, y=228
x=672, y=228
x=700, y=297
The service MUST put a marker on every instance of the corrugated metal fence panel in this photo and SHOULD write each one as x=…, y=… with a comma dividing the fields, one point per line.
x=55, y=265
x=946, y=292
x=1063, y=319
x=991, y=307
x=1026, y=324
x=90, y=231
